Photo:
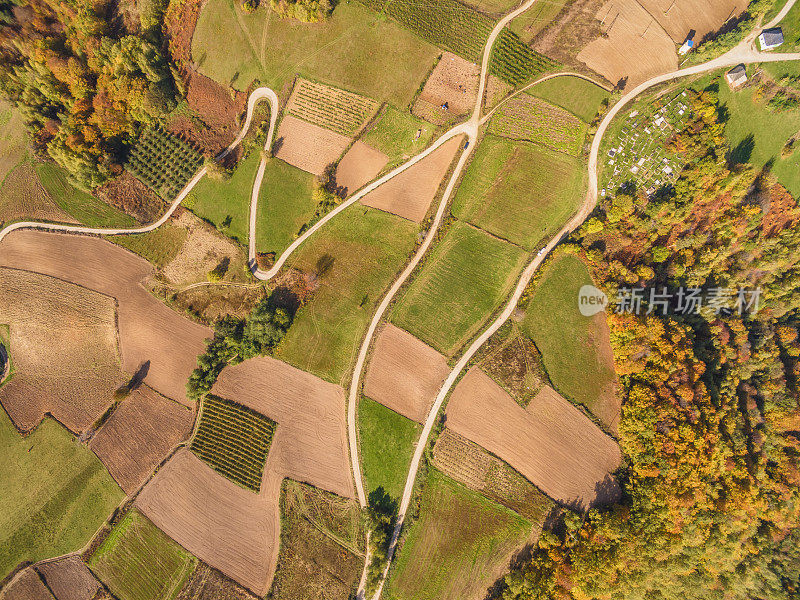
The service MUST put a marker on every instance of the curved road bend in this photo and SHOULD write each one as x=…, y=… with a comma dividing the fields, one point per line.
x=743, y=53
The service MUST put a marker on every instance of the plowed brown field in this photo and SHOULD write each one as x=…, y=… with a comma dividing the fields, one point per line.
x=633, y=45
x=63, y=345
x=152, y=336
x=410, y=193
x=404, y=373
x=454, y=81
x=27, y=586
x=550, y=442
x=678, y=17
x=139, y=435
x=359, y=166
x=307, y=146
x=227, y=526
x=69, y=579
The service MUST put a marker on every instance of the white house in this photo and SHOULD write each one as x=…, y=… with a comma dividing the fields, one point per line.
x=770, y=38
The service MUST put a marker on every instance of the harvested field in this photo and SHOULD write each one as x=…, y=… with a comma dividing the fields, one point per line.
x=152, y=336
x=678, y=17
x=139, y=435
x=22, y=195
x=404, y=373
x=524, y=117
x=64, y=344
x=410, y=194
x=550, y=442
x=468, y=463
x=633, y=46
x=454, y=82
x=207, y=583
x=26, y=586
x=69, y=578
x=307, y=146
x=359, y=166
x=341, y=111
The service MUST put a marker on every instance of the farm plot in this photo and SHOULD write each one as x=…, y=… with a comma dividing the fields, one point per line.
x=639, y=153
x=207, y=583
x=404, y=373
x=525, y=117
x=22, y=196
x=468, y=463
x=153, y=338
x=450, y=91
x=520, y=192
x=633, y=47
x=307, y=146
x=137, y=561
x=26, y=586
x=64, y=344
x=461, y=544
x=465, y=278
x=409, y=194
x=580, y=97
x=56, y=493
x=69, y=578
x=233, y=440
x=163, y=161
x=341, y=111
x=139, y=434
x=355, y=257
x=550, y=442
x=359, y=166
x=576, y=349
x=387, y=442
x=321, y=545
x=398, y=134
x=681, y=16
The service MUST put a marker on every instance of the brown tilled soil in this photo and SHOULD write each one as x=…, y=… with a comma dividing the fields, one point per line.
x=550, y=442
x=152, y=336
x=404, y=373
x=139, y=435
x=454, y=81
x=359, y=166
x=69, y=579
x=207, y=583
x=133, y=197
x=409, y=194
x=22, y=196
x=633, y=45
x=63, y=345
x=307, y=146
x=678, y=17
x=26, y=586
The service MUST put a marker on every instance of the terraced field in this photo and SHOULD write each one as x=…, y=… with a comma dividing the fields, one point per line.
x=164, y=162
x=333, y=108
x=234, y=441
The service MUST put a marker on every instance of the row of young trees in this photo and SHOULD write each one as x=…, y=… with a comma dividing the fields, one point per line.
x=83, y=85
x=711, y=502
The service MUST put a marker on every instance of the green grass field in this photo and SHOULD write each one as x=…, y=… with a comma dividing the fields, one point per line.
x=458, y=546
x=157, y=247
x=536, y=18
x=519, y=192
x=368, y=248
x=138, y=561
x=580, y=97
x=394, y=134
x=567, y=339
x=790, y=25
x=56, y=493
x=464, y=279
x=387, y=444
x=355, y=49
x=769, y=131
x=284, y=205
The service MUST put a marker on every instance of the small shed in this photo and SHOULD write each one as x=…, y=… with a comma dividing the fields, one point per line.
x=736, y=76
x=687, y=45
x=770, y=38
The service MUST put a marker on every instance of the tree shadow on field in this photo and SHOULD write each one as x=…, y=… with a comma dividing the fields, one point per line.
x=276, y=147
x=283, y=297
x=741, y=153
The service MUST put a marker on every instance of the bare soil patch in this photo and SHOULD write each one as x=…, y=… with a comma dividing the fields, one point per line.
x=678, y=17
x=152, y=336
x=550, y=442
x=452, y=83
x=633, y=45
x=133, y=197
x=27, y=586
x=139, y=435
x=409, y=195
x=359, y=166
x=64, y=343
x=69, y=579
x=307, y=146
x=404, y=373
